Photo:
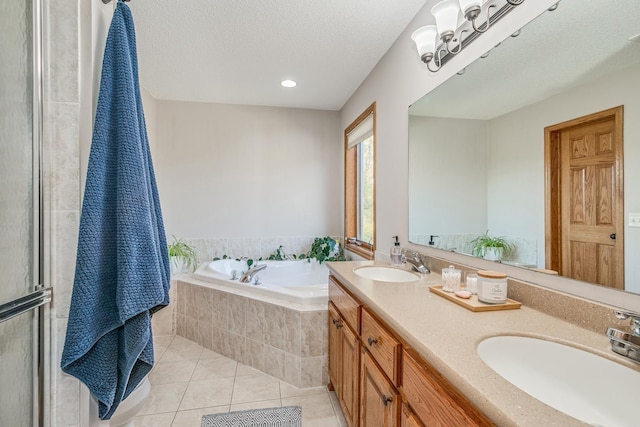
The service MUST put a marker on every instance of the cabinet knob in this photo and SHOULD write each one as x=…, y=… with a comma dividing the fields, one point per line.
x=372, y=341
x=337, y=323
x=386, y=400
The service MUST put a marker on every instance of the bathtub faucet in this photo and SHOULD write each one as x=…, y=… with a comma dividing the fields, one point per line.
x=246, y=277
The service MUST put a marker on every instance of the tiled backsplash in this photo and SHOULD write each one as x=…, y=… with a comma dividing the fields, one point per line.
x=252, y=247
x=524, y=251
x=581, y=312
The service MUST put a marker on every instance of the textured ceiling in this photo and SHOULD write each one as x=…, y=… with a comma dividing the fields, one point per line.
x=577, y=43
x=238, y=51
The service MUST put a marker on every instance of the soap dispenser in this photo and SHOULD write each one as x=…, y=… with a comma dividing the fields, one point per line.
x=396, y=253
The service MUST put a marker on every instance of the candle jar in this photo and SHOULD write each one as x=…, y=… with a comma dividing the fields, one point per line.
x=451, y=279
x=471, y=283
x=492, y=287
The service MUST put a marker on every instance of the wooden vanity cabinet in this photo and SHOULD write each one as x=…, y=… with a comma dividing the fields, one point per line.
x=379, y=381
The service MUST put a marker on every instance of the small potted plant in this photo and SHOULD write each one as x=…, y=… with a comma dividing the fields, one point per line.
x=325, y=249
x=182, y=257
x=490, y=248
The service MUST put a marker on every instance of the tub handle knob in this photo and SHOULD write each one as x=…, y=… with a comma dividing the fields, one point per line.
x=234, y=275
x=257, y=281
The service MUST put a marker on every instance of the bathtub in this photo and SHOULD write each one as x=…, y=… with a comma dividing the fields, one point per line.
x=297, y=281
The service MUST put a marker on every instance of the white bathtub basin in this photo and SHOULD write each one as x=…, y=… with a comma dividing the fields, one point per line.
x=386, y=274
x=580, y=384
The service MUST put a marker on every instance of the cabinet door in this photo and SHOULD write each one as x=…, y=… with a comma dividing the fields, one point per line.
x=379, y=401
x=350, y=368
x=335, y=341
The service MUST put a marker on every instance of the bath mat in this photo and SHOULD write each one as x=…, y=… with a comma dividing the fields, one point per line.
x=287, y=416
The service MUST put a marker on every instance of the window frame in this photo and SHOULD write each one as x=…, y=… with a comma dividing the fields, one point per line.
x=351, y=194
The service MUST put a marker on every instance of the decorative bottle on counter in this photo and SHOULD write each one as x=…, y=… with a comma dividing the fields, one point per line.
x=492, y=287
x=396, y=253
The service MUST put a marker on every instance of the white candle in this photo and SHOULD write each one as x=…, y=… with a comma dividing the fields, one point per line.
x=472, y=283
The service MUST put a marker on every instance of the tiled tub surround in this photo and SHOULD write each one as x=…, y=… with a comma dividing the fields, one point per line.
x=283, y=339
x=446, y=336
x=251, y=247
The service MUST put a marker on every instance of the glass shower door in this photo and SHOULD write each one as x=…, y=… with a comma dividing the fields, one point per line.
x=20, y=292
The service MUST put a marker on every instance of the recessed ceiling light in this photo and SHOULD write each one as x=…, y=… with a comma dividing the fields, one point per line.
x=288, y=83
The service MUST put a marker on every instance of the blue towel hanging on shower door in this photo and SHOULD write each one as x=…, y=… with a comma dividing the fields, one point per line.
x=122, y=265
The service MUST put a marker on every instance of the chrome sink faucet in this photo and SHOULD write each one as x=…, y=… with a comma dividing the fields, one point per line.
x=246, y=277
x=415, y=259
x=624, y=342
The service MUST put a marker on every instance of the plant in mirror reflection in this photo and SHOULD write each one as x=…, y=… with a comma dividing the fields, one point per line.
x=484, y=244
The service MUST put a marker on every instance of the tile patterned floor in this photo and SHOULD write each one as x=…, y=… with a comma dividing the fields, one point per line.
x=189, y=381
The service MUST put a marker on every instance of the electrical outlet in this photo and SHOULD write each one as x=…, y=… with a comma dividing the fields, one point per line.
x=634, y=220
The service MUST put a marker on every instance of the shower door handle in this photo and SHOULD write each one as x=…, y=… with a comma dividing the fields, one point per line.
x=26, y=303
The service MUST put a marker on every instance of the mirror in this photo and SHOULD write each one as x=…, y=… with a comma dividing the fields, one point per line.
x=477, y=142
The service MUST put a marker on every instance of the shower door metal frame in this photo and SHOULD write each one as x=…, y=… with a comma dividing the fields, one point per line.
x=42, y=359
x=36, y=301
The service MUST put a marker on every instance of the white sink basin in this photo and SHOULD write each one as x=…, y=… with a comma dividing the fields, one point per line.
x=386, y=274
x=580, y=384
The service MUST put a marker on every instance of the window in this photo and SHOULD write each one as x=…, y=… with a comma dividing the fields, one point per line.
x=360, y=186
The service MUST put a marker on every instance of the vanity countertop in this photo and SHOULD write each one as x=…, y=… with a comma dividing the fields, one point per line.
x=446, y=335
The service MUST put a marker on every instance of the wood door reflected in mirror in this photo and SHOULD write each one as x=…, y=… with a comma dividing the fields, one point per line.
x=584, y=195
x=477, y=146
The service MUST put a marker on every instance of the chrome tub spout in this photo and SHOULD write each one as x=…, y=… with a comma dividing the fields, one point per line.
x=246, y=277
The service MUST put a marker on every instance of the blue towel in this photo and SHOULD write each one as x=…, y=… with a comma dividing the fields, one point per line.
x=122, y=265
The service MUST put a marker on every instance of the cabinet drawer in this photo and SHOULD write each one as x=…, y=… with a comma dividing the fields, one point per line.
x=348, y=307
x=382, y=345
x=434, y=400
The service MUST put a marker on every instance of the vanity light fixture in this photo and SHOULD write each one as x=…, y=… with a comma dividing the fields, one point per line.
x=288, y=83
x=454, y=18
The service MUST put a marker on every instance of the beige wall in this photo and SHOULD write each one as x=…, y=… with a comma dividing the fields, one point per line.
x=228, y=171
x=447, y=177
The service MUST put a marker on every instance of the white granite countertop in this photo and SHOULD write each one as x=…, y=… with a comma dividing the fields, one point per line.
x=446, y=335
